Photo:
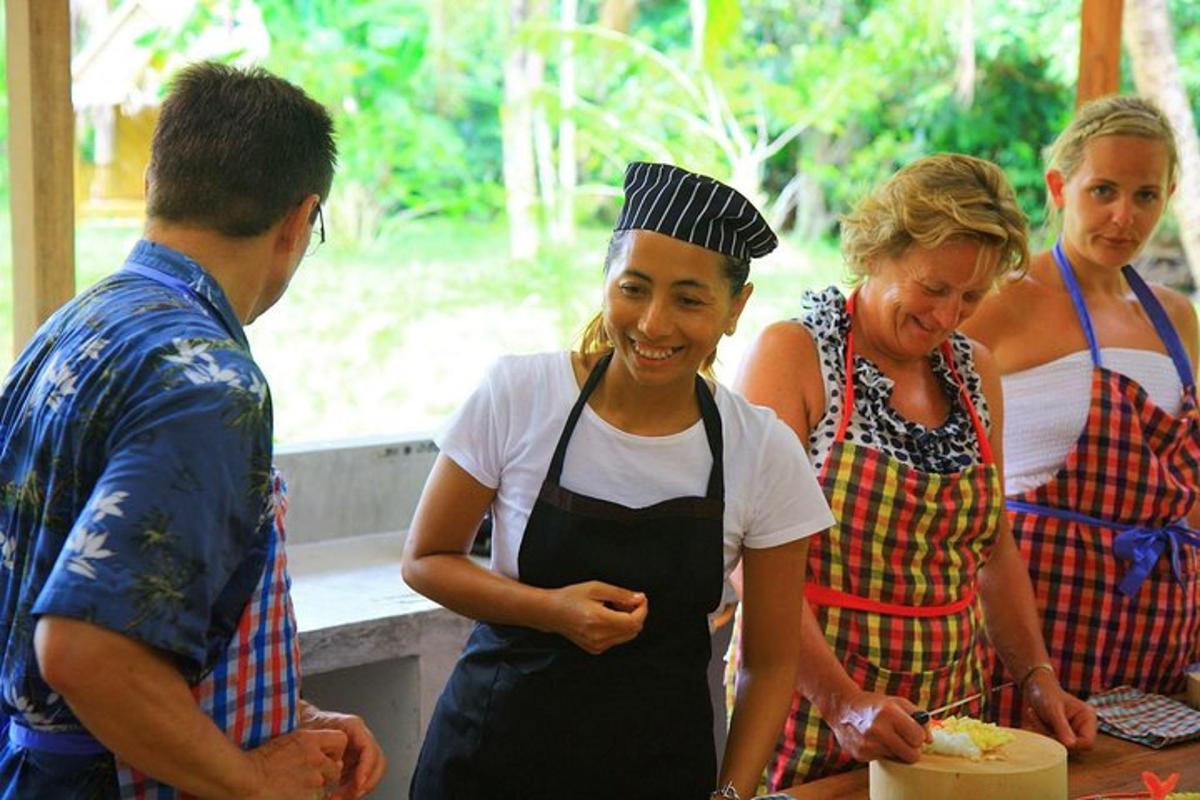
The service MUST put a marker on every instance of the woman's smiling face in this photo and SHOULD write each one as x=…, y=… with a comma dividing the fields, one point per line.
x=666, y=305
x=912, y=303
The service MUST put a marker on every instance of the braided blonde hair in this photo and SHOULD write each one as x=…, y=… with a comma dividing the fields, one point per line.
x=1114, y=115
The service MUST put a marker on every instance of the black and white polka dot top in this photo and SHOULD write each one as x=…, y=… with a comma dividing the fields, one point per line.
x=947, y=448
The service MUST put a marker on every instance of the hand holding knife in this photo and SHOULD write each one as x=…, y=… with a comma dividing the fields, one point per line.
x=922, y=716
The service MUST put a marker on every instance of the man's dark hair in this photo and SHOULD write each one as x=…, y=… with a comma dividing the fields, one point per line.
x=235, y=150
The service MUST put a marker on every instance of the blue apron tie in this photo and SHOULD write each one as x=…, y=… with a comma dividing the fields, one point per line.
x=63, y=743
x=1140, y=545
x=1144, y=546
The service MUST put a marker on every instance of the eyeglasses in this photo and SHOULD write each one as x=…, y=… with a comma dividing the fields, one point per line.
x=317, y=219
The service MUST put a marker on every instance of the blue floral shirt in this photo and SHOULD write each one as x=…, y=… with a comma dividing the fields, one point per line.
x=135, y=454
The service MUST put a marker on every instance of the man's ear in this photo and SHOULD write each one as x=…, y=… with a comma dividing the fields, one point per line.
x=295, y=227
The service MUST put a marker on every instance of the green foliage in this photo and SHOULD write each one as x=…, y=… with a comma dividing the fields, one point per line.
x=416, y=109
x=1036, y=108
x=839, y=93
x=723, y=21
x=836, y=93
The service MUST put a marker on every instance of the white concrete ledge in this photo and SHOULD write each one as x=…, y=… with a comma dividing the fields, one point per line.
x=353, y=487
x=371, y=645
x=354, y=608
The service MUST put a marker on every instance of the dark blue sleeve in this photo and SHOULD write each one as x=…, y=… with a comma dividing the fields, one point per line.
x=172, y=540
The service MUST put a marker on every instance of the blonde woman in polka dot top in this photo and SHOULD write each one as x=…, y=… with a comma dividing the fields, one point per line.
x=902, y=416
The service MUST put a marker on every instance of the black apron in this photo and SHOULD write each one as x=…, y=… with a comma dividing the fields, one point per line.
x=530, y=715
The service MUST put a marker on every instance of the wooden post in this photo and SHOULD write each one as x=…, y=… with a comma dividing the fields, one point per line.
x=1099, y=50
x=41, y=131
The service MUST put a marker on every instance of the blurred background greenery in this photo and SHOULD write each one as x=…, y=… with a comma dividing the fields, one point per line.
x=483, y=143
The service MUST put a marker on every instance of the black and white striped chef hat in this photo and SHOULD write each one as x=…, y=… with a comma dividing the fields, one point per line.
x=694, y=208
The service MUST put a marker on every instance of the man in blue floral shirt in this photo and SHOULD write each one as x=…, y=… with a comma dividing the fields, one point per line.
x=136, y=521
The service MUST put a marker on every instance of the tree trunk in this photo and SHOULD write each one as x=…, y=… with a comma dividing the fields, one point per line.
x=568, y=170
x=520, y=180
x=439, y=53
x=1156, y=74
x=964, y=84
x=618, y=15
x=543, y=151
x=698, y=11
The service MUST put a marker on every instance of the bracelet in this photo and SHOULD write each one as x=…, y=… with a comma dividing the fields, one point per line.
x=726, y=792
x=1046, y=665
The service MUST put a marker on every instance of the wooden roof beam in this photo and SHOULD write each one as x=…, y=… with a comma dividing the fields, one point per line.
x=1099, y=50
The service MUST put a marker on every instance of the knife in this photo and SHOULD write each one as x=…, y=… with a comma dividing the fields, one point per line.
x=922, y=716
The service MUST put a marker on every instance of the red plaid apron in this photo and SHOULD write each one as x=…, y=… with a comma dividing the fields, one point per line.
x=892, y=584
x=253, y=692
x=1113, y=564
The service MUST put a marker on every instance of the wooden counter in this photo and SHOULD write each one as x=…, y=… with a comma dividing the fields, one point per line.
x=1114, y=765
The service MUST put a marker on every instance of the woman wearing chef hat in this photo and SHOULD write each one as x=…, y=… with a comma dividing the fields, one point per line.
x=624, y=487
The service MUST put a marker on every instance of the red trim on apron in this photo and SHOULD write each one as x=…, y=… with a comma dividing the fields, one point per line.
x=824, y=596
x=894, y=583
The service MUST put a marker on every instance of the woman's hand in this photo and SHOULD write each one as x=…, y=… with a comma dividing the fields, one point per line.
x=597, y=616
x=870, y=725
x=1050, y=710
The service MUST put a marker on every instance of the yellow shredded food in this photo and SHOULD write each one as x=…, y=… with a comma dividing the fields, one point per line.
x=987, y=736
x=1184, y=796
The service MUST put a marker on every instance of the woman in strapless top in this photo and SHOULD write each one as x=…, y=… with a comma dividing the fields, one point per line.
x=1101, y=433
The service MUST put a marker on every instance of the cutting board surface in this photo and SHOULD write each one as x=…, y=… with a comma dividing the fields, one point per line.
x=1031, y=767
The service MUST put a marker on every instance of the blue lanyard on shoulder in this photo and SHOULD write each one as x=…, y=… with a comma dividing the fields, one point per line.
x=1154, y=310
x=164, y=278
x=179, y=285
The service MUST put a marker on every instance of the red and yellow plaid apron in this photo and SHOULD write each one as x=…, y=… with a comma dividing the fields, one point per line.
x=1115, y=512
x=892, y=584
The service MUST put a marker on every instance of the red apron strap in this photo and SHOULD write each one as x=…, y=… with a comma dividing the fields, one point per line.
x=985, y=445
x=848, y=389
x=818, y=595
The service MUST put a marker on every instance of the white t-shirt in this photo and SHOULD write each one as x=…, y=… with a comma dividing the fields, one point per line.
x=504, y=436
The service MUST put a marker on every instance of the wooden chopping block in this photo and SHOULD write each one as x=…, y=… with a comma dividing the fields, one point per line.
x=1033, y=767
x=1193, y=688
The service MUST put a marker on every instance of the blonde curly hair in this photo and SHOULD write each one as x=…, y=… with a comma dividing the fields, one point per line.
x=934, y=200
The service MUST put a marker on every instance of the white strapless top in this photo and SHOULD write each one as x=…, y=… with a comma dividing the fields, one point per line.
x=1046, y=407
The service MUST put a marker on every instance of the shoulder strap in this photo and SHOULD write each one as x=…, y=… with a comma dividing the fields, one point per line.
x=589, y=386
x=1162, y=325
x=1085, y=319
x=708, y=413
x=985, y=444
